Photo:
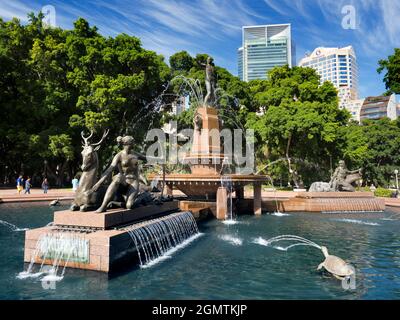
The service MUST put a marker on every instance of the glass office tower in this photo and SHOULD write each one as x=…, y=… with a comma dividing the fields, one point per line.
x=264, y=47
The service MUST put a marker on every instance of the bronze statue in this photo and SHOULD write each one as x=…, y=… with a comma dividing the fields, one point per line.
x=342, y=178
x=211, y=83
x=126, y=162
x=198, y=122
x=85, y=197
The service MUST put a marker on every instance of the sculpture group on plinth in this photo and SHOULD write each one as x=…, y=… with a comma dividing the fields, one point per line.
x=341, y=180
x=85, y=199
x=127, y=188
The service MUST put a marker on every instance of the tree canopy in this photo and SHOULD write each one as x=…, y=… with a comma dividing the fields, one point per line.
x=374, y=146
x=300, y=119
x=391, y=66
x=55, y=83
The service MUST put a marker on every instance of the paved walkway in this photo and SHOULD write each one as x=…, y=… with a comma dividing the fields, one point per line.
x=12, y=196
x=392, y=202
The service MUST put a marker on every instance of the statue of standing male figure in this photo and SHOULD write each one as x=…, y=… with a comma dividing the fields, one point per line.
x=211, y=82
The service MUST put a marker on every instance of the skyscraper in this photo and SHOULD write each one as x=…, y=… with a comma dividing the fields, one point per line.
x=338, y=65
x=263, y=48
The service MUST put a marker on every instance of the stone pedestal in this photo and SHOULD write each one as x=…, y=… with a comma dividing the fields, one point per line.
x=257, y=199
x=113, y=217
x=222, y=203
x=107, y=249
x=205, y=156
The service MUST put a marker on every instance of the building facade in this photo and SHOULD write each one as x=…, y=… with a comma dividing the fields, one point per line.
x=339, y=66
x=379, y=107
x=179, y=105
x=263, y=48
x=354, y=107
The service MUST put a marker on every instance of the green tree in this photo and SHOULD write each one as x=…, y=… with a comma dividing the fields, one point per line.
x=391, y=66
x=55, y=83
x=181, y=61
x=373, y=146
x=300, y=123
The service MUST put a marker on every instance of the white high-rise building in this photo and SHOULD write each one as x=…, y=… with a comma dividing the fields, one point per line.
x=338, y=65
x=263, y=48
x=354, y=107
x=179, y=105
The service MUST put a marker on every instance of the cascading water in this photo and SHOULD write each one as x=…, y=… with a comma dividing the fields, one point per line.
x=60, y=247
x=226, y=182
x=12, y=227
x=277, y=212
x=158, y=239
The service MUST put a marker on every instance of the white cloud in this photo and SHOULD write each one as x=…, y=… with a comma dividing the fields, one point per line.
x=15, y=8
x=391, y=14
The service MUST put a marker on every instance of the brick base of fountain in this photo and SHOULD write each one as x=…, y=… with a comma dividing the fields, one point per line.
x=106, y=235
x=329, y=202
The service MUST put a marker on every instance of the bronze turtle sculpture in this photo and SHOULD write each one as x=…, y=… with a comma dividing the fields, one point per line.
x=335, y=265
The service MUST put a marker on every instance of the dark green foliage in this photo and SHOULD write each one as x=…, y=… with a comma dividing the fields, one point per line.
x=392, y=68
x=55, y=83
x=374, y=146
x=300, y=119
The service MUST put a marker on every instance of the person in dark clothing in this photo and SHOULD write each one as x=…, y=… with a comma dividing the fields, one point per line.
x=28, y=186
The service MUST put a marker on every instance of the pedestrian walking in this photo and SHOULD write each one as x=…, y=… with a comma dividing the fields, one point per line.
x=75, y=184
x=19, y=184
x=28, y=186
x=45, y=185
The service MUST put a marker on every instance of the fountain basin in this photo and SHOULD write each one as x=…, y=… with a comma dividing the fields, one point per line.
x=327, y=202
x=106, y=249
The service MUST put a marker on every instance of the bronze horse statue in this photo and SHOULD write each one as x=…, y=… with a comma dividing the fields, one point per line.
x=85, y=198
x=350, y=179
x=342, y=180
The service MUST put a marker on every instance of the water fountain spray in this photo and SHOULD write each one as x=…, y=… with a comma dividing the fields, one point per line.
x=333, y=264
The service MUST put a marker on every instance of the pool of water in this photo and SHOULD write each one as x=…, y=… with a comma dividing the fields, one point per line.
x=226, y=263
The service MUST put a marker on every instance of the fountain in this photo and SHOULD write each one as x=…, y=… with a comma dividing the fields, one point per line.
x=336, y=196
x=336, y=266
x=203, y=185
x=11, y=226
x=118, y=218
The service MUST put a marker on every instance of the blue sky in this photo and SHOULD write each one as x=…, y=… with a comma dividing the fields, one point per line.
x=214, y=26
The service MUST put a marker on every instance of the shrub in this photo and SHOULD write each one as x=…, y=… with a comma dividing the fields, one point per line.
x=382, y=192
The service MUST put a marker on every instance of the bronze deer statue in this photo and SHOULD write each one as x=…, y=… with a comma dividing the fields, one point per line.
x=85, y=198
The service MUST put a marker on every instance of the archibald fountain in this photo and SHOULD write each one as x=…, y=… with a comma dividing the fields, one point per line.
x=118, y=216
x=204, y=186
